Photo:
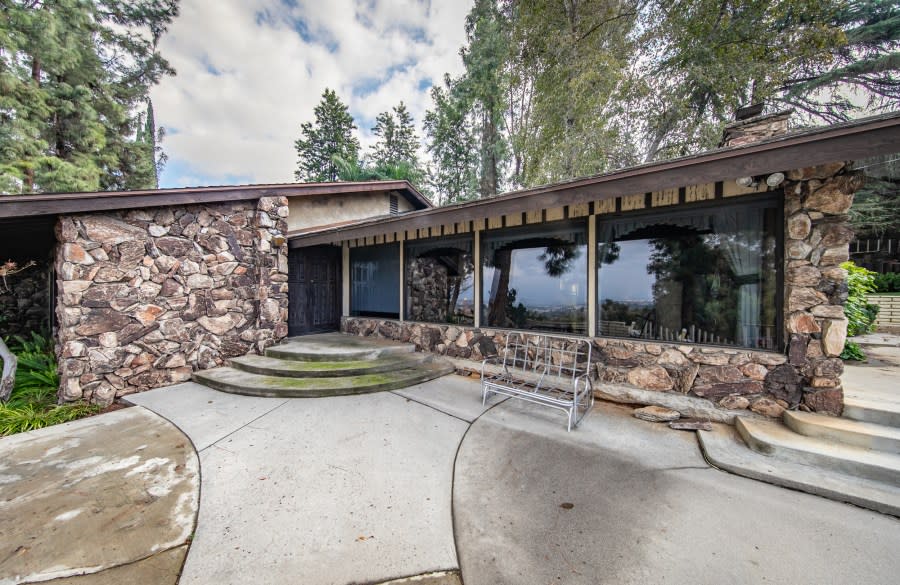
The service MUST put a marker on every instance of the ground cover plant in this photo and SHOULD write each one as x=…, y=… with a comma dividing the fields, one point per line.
x=33, y=403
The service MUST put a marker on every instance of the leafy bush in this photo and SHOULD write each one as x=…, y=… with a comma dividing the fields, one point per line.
x=852, y=351
x=32, y=404
x=887, y=283
x=860, y=313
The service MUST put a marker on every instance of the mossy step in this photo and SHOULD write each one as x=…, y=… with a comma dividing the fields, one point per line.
x=318, y=352
x=269, y=366
x=228, y=379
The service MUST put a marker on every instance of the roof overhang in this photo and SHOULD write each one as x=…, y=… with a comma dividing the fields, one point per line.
x=14, y=206
x=848, y=141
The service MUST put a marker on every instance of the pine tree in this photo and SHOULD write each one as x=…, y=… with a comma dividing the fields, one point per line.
x=330, y=136
x=73, y=74
x=397, y=141
x=453, y=174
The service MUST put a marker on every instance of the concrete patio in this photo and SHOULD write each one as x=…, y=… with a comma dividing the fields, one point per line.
x=371, y=488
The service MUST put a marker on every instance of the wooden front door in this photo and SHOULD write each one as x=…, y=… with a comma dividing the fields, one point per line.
x=314, y=289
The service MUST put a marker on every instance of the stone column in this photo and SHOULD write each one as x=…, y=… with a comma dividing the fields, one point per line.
x=271, y=226
x=817, y=236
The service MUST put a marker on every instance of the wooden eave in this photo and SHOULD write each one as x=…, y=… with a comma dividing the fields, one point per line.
x=848, y=141
x=13, y=206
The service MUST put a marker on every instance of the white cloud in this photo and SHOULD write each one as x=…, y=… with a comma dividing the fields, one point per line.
x=250, y=71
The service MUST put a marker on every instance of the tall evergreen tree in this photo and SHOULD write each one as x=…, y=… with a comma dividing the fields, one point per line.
x=450, y=132
x=397, y=140
x=73, y=74
x=330, y=136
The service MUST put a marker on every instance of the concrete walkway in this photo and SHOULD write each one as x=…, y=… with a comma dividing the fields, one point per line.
x=366, y=489
x=106, y=499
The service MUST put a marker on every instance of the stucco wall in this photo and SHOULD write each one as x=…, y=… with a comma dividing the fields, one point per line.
x=147, y=296
x=307, y=212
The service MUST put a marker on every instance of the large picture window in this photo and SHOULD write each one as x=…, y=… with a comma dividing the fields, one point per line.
x=535, y=277
x=375, y=281
x=702, y=276
x=440, y=281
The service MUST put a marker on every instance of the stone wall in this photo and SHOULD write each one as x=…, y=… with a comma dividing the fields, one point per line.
x=817, y=237
x=25, y=305
x=147, y=296
x=732, y=378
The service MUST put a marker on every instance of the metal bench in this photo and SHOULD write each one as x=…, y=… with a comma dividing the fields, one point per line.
x=550, y=370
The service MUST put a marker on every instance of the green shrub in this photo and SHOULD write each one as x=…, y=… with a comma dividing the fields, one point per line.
x=887, y=283
x=860, y=313
x=852, y=351
x=32, y=404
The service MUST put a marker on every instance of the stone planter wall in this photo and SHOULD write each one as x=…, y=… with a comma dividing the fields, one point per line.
x=733, y=378
x=25, y=307
x=145, y=297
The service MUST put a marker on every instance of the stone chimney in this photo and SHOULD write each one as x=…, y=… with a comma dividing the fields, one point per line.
x=751, y=125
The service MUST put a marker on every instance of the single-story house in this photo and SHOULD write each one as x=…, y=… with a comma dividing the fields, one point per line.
x=715, y=275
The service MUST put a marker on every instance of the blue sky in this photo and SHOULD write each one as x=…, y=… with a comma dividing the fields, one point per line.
x=251, y=71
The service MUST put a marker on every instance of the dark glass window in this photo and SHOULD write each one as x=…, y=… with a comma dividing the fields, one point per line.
x=440, y=281
x=704, y=276
x=535, y=278
x=375, y=281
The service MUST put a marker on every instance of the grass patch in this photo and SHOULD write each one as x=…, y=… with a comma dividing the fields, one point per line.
x=32, y=404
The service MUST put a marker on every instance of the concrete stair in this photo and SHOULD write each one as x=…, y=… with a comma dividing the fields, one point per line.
x=853, y=458
x=325, y=365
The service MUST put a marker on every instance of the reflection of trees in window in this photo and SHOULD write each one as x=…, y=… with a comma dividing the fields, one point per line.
x=437, y=276
x=713, y=277
x=551, y=284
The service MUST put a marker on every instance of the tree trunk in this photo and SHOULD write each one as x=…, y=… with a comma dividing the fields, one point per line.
x=8, y=380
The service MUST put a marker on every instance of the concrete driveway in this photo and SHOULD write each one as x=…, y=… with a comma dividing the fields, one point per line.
x=424, y=481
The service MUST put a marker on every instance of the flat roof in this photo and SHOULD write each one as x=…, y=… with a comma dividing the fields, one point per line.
x=852, y=140
x=14, y=206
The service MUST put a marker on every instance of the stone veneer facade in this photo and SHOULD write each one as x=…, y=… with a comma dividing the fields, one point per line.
x=147, y=296
x=806, y=376
x=24, y=305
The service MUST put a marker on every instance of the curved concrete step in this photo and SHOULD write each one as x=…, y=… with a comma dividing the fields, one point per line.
x=235, y=381
x=844, y=430
x=770, y=438
x=881, y=412
x=269, y=366
x=336, y=348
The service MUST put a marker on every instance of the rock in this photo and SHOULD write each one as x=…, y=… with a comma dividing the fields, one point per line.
x=769, y=359
x=216, y=325
x=754, y=371
x=828, y=311
x=71, y=389
x=827, y=401
x=656, y=414
x=691, y=425
x=783, y=382
x=719, y=390
x=824, y=382
x=831, y=256
x=147, y=314
x=824, y=171
x=177, y=247
x=75, y=253
x=836, y=196
x=131, y=254
x=102, y=320
x=651, y=378
x=683, y=376
x=834, y=335
x=109, y=230
x=798, y=249
x=801, y=322
x=108, y=339
x=716, y=374
x=831, y=367
x=196, y=281
x=804, y=276
x=672, y=357
x=709, y=359
x=734, y=402
x=767, y=407
x=797, y=349
x=798, y=226
x=801, y=298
